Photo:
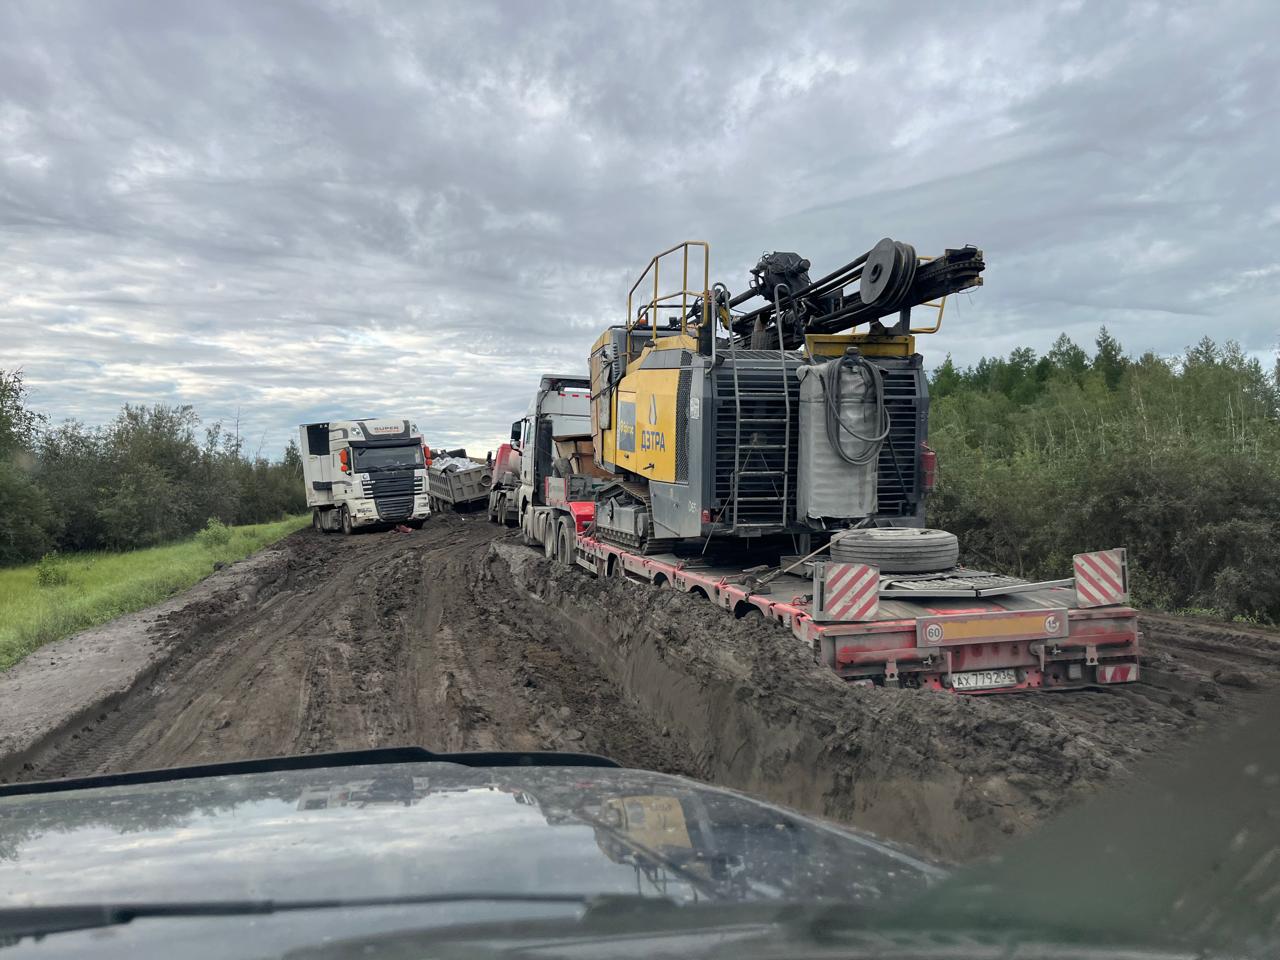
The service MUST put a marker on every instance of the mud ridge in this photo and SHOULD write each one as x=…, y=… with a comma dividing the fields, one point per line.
x=949, y=774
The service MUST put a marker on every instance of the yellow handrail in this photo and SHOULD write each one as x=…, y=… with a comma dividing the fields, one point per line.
x=938, y=305
x=649, y=310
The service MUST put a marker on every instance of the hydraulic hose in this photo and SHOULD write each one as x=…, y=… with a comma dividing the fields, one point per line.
x=836, y=424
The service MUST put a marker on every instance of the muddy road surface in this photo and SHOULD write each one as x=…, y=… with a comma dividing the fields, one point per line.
x=456, y=637
x=362, y=641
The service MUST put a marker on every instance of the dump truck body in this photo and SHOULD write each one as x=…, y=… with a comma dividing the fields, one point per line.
x=456, y=482
x=363, y=473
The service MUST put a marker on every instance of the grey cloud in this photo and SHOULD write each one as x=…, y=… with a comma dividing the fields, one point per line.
x=302, y=210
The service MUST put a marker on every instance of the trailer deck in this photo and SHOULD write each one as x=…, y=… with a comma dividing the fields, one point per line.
x=991, y=638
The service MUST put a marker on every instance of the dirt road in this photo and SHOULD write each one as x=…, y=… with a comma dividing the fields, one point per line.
x=456, y=637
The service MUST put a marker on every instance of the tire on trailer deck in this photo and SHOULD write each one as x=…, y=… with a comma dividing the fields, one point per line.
x=898, y=549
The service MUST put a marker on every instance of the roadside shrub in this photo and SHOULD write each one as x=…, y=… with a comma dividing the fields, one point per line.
x=51, y=571
x=1176, y=459
x=214, y=535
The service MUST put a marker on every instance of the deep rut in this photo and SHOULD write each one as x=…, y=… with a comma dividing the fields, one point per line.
x=457, y=638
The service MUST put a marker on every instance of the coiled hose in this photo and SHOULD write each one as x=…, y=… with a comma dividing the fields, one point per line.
x=836, y=424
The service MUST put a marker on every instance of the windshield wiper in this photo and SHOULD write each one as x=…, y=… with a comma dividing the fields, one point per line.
x=39, y=921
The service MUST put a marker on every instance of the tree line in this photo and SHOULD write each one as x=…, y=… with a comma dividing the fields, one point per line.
x=1176, y=459
x=152, y=475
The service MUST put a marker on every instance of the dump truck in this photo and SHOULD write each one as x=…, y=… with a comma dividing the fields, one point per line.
x=456, y=482
x=364, y=473
x=775, y=461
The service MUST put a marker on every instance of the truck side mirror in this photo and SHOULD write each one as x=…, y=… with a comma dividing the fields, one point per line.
x=515, y=432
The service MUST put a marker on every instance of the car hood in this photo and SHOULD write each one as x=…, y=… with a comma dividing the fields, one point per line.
x=433, y=827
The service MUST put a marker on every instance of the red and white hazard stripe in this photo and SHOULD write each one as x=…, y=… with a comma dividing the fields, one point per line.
x=1117, y=673
x=851, y=591
x=1101, y=578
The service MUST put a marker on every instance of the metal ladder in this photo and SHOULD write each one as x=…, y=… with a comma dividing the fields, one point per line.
x=738, y=472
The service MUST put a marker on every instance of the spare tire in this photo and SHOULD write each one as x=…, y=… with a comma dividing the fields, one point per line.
x=898, y=549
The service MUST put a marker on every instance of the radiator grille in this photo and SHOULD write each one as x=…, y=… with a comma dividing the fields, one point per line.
x=900, y=454
x=763, y=459
x=393, y=494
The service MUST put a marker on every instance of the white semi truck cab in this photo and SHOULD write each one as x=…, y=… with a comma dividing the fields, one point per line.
x=363, y=473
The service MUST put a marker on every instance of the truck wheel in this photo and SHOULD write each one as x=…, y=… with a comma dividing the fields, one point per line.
x=549, y=541
x=526, y=529
x=568, y=543
x=347, y=526
x=316, y=523
x=898, y=549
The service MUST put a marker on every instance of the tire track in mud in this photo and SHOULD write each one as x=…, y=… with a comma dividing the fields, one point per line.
x=370, y=640
x=457, y=638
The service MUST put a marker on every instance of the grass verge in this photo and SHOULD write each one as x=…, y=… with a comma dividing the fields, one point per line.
x=91, y=588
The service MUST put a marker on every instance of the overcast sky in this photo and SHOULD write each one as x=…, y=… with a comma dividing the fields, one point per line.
x=304, y=211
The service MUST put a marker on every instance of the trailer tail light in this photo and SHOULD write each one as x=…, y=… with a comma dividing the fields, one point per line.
x=706, y=516
x=928, y=467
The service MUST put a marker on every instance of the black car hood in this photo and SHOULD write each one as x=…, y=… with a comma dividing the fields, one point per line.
x=432, y=828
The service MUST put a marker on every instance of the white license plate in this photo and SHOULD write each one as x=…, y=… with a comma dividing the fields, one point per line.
x=984, y=679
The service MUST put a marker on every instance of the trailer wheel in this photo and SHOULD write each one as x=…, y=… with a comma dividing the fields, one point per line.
x=616, y=569
x=316, y=523
x=567, y=543
x=347, y=527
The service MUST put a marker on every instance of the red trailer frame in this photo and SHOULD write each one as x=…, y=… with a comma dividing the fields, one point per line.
x=1012, y=636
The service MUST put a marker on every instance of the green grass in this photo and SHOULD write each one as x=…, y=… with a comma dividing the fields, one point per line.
x=102, y=586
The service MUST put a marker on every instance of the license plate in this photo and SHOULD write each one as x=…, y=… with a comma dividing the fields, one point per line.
x=984, y=679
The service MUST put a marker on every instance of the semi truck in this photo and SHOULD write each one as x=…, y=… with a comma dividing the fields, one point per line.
x=548, y=457
x=364, y=473
x=775, y=462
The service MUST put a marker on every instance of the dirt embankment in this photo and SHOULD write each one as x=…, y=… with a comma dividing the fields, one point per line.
x=457, y=638
x=951, y=774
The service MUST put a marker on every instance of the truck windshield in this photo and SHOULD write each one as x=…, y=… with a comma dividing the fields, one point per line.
x=405, y=457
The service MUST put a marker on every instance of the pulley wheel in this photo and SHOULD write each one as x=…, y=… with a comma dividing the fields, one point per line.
x=888, y=272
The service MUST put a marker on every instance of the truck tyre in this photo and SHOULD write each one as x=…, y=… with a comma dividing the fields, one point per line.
x=549, y=541
x=568, y=543
x=316, y=523
x=526, y=529
x=347, y=527
x=898, y=549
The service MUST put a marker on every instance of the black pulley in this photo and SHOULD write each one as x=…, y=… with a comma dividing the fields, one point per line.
x=888, y=272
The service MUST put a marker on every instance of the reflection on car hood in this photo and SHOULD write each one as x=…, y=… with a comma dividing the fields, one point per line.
x=432, y=827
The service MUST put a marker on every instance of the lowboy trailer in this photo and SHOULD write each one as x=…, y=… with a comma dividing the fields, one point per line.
x=992, y=635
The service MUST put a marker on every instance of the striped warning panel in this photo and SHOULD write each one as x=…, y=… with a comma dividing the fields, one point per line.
x=1117, y=673
x=1101, y=578
x=851, y=591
